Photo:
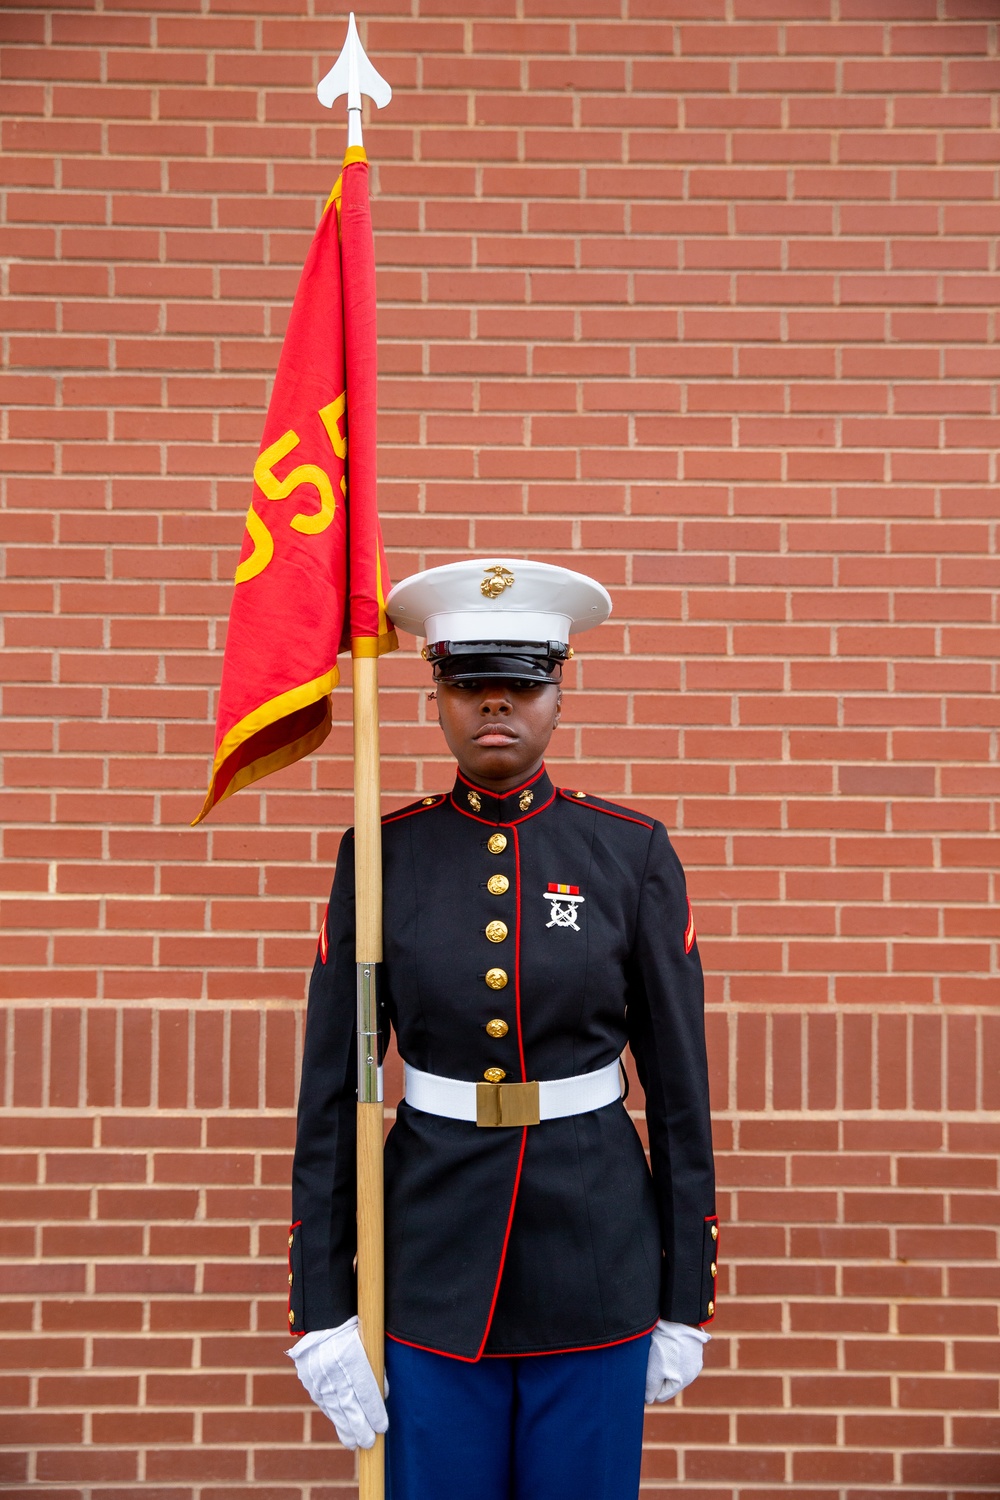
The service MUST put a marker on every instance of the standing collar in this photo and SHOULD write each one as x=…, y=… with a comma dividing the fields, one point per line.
x=520, y=803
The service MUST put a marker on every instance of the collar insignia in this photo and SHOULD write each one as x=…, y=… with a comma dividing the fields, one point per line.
x=474, y=800
x=525, y=800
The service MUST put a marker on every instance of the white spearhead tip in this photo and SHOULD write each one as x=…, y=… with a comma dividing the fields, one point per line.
x=352, y=74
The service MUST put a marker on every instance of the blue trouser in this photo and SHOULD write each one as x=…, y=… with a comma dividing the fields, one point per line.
x=536, y=1427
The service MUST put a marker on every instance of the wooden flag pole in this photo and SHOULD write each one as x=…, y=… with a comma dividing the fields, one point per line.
x=368, y=907
x=354, y=75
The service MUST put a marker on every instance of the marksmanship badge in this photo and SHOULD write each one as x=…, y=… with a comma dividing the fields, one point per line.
x=565, y=899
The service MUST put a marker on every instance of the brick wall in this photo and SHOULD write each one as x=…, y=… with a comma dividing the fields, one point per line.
x=698, y=295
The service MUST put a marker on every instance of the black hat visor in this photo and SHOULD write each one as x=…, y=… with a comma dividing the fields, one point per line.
x=485, y=661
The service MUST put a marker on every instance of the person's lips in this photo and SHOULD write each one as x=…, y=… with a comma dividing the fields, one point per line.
x=494, y=734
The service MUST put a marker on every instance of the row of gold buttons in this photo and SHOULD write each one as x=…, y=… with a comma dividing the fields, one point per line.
x=497, y=885
x=714, y=1269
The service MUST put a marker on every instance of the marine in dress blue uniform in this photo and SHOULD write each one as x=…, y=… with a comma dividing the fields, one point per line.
x=531, y=934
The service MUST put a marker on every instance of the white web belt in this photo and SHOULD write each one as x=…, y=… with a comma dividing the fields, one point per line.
x=511, y=1103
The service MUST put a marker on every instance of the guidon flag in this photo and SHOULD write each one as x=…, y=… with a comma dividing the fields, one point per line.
x=312, y=578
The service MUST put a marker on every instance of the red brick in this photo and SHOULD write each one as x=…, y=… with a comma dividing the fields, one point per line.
x=615, y=367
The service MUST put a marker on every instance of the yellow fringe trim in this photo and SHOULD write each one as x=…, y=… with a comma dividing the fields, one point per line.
x=269, y=713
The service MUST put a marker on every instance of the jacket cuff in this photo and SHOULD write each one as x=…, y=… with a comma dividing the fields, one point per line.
x=296, y=1319
x=709, y=1268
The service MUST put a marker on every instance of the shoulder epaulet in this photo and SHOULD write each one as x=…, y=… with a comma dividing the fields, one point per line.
x=424, y=805
x=627, y=814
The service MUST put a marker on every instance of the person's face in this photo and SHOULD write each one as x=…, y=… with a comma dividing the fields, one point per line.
x=498, y=731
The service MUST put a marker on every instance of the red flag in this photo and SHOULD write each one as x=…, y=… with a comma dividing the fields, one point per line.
x=312, y=576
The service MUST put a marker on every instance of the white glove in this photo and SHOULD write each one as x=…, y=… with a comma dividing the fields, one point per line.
x=675, y=1356
x=333, y=1367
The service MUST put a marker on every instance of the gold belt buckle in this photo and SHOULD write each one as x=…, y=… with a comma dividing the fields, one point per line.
x=507, y=1104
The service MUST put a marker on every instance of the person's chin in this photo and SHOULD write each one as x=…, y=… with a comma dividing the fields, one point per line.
x=495, y=760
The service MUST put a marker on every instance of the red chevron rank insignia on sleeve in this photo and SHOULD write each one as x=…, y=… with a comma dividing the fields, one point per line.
x=689, y=933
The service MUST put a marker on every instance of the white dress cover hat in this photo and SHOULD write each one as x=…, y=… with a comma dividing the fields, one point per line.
x=498, y=600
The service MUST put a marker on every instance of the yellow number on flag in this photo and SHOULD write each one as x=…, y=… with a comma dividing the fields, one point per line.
x=263, y=548
x=330, y=417
x=280, y=489
x=273, y=488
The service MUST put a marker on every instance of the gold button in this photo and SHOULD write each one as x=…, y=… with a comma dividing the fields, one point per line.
x=497, y=884
x=715, y=1269
x=429, y=801
x=494, y=1075
x=715, y=1231
x=579, y=794
x=289, y=1278
x=496, y=843
x=496, y=931
x=711, y=1309
x=291, y=1316
x=496, y=978
x=291, y=1241
x=497, y=1027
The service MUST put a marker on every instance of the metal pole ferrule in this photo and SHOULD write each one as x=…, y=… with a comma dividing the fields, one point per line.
x=369, y=1068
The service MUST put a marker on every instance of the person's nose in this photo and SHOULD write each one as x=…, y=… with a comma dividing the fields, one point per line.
x=495, y=700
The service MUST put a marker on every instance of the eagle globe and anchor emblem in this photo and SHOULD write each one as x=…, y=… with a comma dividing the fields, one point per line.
x=497, y=581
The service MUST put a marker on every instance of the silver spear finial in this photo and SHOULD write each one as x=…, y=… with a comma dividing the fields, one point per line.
x=352, y=74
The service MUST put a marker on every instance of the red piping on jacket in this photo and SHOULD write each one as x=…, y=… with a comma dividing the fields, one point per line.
x=506, y=1239
x=579, y=802
x=577, y=1348
x=291, y=1233
x=469, y=1359
x=517, y=951
x=492, y=822
x=713, y=1219
x=466, y=1359
x=411, y=812
x=510, y=790
x=520, y=1049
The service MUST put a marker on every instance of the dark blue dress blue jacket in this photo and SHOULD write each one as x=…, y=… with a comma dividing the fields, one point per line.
x=531, y=1239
